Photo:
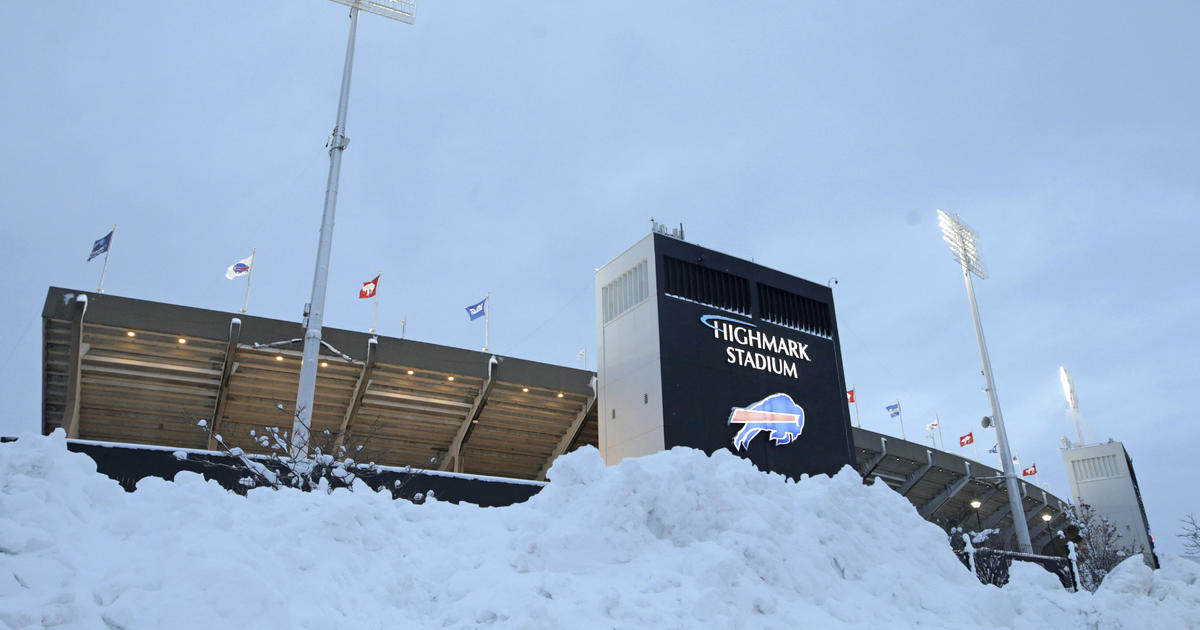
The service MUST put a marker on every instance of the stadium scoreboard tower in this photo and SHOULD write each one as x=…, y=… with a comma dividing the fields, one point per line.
x=708, y=351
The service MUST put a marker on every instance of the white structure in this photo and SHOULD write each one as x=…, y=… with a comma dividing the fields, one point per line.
x=1101, y=475
x=630, y=379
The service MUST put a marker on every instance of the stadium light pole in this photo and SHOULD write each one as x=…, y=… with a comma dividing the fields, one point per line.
x=314, y=312
x=962, y=245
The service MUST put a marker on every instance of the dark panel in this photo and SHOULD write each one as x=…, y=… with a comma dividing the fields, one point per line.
x=710, y=367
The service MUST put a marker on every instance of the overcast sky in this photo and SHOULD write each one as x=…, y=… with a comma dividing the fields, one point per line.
x=514, y=147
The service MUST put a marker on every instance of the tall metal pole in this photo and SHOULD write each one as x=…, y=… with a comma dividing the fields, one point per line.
x=1010, y=476
x=487, y=315
x=315, y=312
x=246, y=302
x=112, y=237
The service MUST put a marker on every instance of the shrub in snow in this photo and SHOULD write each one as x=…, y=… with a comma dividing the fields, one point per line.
x=325, y=465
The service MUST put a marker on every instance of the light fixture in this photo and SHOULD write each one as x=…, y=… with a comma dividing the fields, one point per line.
x=525, y=389
x=130, y=333
x=560, y=394
x=279, y=357
x=976, y=503
x=324, y=364
x=410, y=372
x=449, y=378
x=182, y=340
x=963, y=247
x=1046, y=517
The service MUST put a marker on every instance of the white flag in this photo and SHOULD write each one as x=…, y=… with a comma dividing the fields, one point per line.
x=240, y=268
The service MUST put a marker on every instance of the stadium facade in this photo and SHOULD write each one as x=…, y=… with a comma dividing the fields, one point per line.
x=728, y=337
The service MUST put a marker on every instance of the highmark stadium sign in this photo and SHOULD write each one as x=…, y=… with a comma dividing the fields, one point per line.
x=752, y=348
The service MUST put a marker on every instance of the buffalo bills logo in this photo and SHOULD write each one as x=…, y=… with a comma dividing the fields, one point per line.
x=777, y=414
x=241, y=267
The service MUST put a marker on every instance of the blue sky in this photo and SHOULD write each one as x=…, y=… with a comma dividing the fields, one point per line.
x=515, y=147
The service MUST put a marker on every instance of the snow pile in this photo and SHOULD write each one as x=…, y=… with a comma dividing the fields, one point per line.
x=676, y=540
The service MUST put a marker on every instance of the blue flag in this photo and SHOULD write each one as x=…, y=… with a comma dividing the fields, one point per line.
x=993, y=449
x=475, y=311
x=894, y=409
x=101, y=245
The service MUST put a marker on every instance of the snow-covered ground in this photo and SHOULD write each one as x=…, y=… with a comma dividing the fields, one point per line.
x=675, y=540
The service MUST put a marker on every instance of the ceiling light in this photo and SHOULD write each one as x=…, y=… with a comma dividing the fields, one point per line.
x=525, y=389
x=560, y=395
x=975, y=503
x=449, y=378
x=324, y=364
x=182, y=340
x=130, y=333
x=410, y=372
x=279, y=357
x=1046, y=517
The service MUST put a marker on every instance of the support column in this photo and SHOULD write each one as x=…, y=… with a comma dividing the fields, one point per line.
x=572, y=433
x=453, y=459
x=229, y=366
x=70, y=418
x=360, y=390
x=877, y=460
x=945, y=495
x=917, y=475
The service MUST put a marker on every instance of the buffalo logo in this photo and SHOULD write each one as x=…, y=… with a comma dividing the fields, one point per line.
x=241, y=267
x=777, y=413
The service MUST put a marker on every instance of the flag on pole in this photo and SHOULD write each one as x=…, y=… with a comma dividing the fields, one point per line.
x=101, y=245
x=994, y=448
x=368, y=288
x=850, y=395
x=477, y=310
x=240, y=268
x=1029, y=472
x=967, y=439
x=894, y=410
x=931, y=426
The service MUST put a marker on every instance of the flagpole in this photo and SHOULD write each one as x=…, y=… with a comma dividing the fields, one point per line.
x=857, y=419
x=975, y=443
x=403, y=326
x=941, y=438
x=900, y=414
x=487, y=314
x=112, y=237
x=375, y=317
x=250, y=277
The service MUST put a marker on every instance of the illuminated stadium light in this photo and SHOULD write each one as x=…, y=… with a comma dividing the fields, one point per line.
x=130, y=333
x=1046, y=517
x=976, y=503
x=324, y=364
x=966, y=253
x=449, y=378
x=182, y=340
x=410, y=372
x=279, y=357
x=525, y=389
x=399, y=10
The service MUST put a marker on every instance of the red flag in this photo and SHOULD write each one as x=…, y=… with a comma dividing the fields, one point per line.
x=1032, y=470
x=368, y=288
x=850, y=395
x=967, y=439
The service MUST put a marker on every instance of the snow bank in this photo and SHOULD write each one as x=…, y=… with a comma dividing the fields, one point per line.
x=676, y=540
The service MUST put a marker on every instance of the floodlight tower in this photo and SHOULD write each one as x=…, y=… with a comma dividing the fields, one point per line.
x=962, y=244
x=1068, y=385
x=314, y=312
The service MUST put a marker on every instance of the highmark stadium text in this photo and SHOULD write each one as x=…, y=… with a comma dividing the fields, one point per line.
x=744, y=334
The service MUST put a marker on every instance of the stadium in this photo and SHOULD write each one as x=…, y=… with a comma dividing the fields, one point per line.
x=120, y=372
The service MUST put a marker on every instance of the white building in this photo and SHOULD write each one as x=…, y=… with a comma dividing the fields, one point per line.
x=1101, y=475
